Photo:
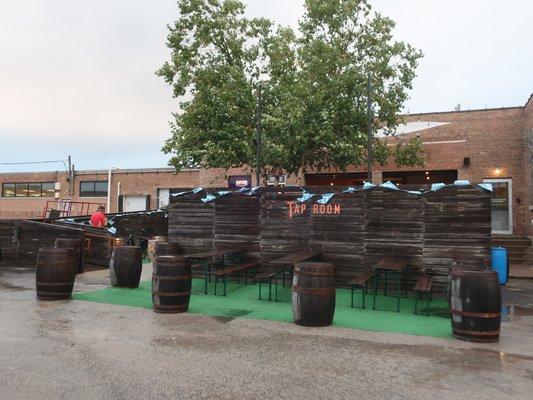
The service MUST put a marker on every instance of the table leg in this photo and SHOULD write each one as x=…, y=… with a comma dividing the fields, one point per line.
x=206, y=275
x=399, y=291
x=376, y=279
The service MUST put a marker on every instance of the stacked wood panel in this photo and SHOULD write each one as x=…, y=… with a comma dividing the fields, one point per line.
x=281, y=233
x=8, y=243
x=394, y=229
x=340, y=237
x=34, y=235
x=191, y=223
x=457, y=231
x=237, y=223
x=434, y=231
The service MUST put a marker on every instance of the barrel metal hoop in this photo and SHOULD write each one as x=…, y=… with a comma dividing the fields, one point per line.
x=476, y=333
x=47, y=294
x=171, y=294
x=171, y=278
x=475, y=314
x=327, y=291
x=54, y=283
x=170, y=307
x=321, y=273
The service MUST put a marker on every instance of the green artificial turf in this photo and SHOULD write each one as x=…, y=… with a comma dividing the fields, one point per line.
x=242, y=301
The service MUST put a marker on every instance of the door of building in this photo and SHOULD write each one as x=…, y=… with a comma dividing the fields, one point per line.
x=134, y=203
x=502, y=205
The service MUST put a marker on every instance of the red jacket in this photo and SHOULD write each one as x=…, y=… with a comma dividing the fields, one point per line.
x=98, y=219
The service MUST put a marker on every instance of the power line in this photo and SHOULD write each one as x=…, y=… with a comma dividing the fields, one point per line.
x=31, y=162
x=36, y=162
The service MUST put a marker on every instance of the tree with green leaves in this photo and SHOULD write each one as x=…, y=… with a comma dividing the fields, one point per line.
x=313, y=84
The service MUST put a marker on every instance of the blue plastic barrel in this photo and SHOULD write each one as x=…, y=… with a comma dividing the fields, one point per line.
x=500, y=264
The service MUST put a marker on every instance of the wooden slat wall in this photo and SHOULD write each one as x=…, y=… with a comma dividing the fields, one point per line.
x=148, y=224
x=8, y=243
x=341, y=238
x=394, y=228
x=237, y=223
x=449, y=227
x=191, y=223
x=34, y=235
x=457, y=231
x=280, y=234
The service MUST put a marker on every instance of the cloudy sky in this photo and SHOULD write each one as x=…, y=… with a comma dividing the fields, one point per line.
x=78, y=77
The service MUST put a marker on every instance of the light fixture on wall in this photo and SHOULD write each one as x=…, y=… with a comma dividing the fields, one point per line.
x=497, y=170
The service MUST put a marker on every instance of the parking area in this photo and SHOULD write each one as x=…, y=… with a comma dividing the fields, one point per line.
x=68, y=349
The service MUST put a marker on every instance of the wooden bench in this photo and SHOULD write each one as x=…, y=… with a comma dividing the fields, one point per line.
x=361, y=283
x=267, y=277
x=424, y=285
x=232, y=269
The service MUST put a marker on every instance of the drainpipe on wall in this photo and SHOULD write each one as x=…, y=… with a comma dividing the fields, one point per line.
x=108, y=203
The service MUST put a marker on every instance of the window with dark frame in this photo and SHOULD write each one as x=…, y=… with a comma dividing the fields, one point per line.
x=93, y=189
x=28, y=189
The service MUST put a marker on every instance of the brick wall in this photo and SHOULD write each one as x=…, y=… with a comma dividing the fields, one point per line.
x=528, y=109
x=496, y=141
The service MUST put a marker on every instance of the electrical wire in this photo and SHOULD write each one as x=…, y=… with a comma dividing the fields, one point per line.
x=36, y=162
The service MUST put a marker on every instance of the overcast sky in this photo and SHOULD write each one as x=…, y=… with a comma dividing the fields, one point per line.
x=78, y=77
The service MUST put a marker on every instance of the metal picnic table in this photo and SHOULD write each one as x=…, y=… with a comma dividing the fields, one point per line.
x=208, y=259
x=386, y=266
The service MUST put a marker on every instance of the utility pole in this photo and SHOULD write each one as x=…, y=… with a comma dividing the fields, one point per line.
x=369, y=133
x=258, y=137
x=70, y=183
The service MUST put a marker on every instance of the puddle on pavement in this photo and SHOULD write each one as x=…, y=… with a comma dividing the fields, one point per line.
x=509, y=312
x=11, y=288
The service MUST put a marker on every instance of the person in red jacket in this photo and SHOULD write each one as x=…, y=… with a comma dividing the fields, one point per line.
x=98, y=219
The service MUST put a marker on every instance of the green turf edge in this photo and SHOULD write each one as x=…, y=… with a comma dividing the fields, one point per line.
x=242, y=302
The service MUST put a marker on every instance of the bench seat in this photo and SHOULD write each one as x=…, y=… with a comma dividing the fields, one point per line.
x=227, y=270
x=361, y=282
x=424, y=285
x=363, y=278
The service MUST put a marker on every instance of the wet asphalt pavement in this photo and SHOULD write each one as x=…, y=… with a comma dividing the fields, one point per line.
x=75, y=349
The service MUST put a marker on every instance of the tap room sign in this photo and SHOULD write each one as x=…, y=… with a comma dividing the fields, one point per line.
x=296, y=208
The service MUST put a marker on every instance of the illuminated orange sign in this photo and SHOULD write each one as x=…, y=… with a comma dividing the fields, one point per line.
x=295, y=208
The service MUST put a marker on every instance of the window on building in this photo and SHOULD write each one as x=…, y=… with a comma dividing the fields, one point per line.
x=48, y=189
x=93, y=189
x=8, y=190
x=28, y=189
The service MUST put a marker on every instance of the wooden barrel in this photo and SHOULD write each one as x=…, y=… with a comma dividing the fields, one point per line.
x=77, y=245
x=475, y=305
x=55, y=274
x=125, y=266
x=313, y=294
x=166, y=249
x=171, y=284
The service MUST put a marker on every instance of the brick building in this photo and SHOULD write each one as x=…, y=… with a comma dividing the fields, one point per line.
x=493, y=145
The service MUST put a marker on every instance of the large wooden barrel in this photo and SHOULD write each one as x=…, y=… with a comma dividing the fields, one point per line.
x=166, y=249
x=171, y=284
x=77, y=245
x=125, y=266
x=475, y=305
x=55, y=273
x=313, y=294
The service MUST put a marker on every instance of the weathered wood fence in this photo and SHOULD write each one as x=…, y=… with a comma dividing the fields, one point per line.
x=435, y=231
